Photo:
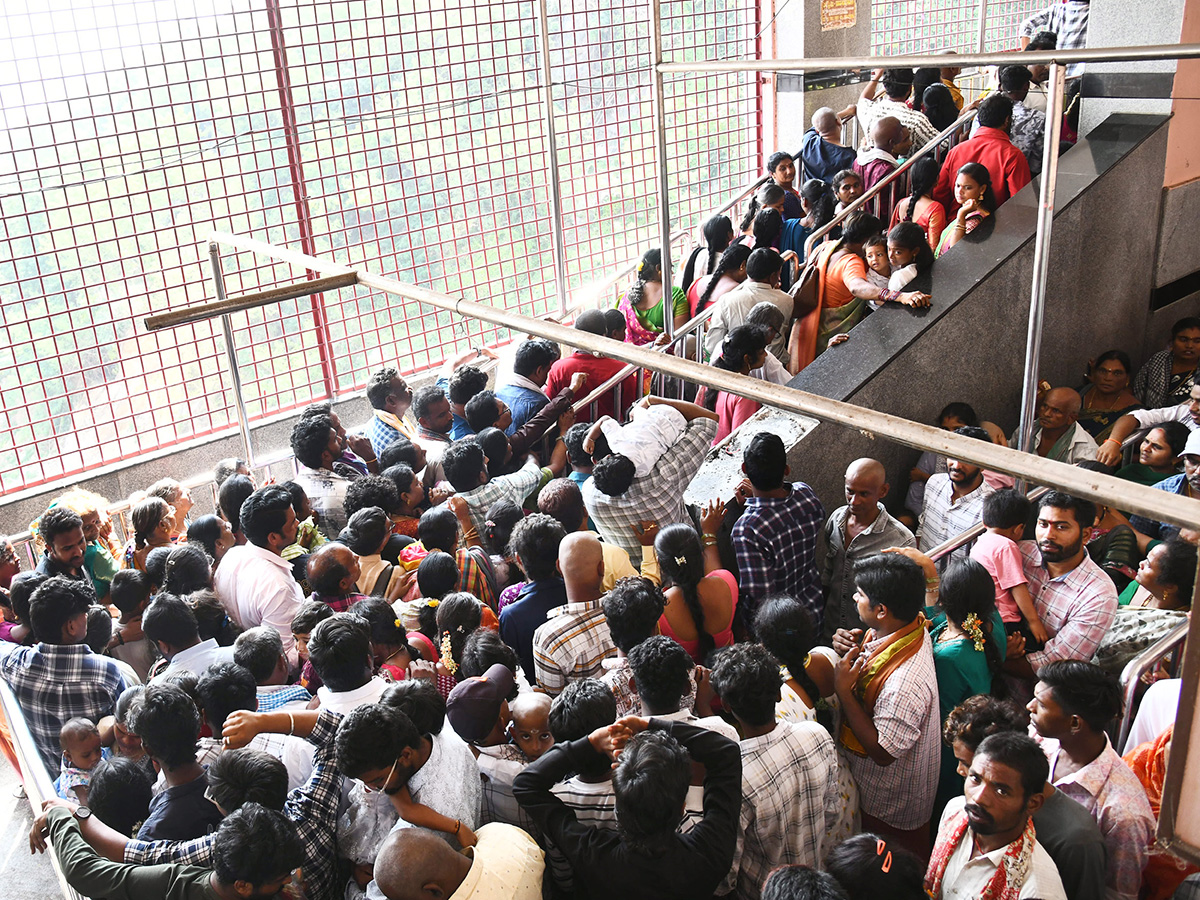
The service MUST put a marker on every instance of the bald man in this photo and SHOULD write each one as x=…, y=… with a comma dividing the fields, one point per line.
x=332, y=572
x=860, y=528
x=891, y=140
x=574, y=640
x=1058, y=434
x=414, y=864
x=822, y=152
x=563, y=500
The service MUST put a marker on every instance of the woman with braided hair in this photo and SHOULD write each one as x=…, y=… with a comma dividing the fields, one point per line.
x=718, y=235
x=919, y=207
x=701, y=596
x=153, y=522
x=730, y=272
x=643, y=303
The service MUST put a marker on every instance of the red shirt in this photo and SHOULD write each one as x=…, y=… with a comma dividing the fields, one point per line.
x=992, y=148
x=599, y=369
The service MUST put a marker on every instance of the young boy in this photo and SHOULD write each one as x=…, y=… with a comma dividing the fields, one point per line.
x=311, y=612
x=1005, y=514
x=80, y=741
x=530, y=725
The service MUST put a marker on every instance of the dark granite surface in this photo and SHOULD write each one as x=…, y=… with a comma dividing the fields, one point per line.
x=875, y=342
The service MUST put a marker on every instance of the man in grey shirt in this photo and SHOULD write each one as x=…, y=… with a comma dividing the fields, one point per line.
x=860, y=528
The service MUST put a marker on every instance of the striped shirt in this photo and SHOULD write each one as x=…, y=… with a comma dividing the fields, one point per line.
x=946, y=517
x=571, y=644
x=789, y=794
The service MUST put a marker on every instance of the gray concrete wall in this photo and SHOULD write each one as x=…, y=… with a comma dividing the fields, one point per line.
x=1179, y=238
x=1101, y=276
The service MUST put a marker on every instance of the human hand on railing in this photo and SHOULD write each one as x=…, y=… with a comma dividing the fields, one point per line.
x=566, y=420
x=877, y=74
x=915, y=299
x=713, y=517
x=662, y=340
x=38, y=831
x=1109, y=453
x=646, y=532
x=578, y=380
x=837, y=339
x=1015, y=648
x=846, y=639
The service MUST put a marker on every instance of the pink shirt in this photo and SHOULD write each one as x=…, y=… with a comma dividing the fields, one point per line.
x=1002, y=558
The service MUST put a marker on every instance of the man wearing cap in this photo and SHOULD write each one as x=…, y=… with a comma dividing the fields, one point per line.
x=477, y=709
x=1186, y=484
x=598, y=370
x=574, y=640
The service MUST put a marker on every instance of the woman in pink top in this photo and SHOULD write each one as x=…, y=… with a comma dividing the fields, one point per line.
x=730, y=272
x=743, y=350
x=701, y=596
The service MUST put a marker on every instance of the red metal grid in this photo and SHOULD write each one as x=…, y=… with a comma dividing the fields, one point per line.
x=921, y=26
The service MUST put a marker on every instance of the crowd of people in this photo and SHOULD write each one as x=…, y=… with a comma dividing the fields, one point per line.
x=482, y=648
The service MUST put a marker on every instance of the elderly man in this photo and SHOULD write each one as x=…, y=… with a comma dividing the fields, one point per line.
x=992, y=148
x=822, y=152
x=862, y=527
x=1058, y=434
x=505, y=861
x=897, y=85
x=890, y=139
x=574, y=641
x=390, y=397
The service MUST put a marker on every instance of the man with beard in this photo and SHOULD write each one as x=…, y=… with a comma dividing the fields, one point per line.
x=953, y=502
x=1074, y=598
x=986, y=844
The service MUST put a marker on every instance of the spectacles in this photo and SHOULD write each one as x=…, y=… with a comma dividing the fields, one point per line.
x=374, y=785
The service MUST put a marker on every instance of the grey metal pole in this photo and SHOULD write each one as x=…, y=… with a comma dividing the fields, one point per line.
x=981, y=47
x=660, y=149
x=214, y=256
x=1041, y=254
x=558, y=242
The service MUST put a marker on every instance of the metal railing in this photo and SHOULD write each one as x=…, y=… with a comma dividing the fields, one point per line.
x=1167, y=650
x=949, y=545
x=39, y=787
x=893, y=180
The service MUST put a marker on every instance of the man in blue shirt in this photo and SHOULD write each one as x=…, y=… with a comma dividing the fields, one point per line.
x=822, y=153
x=524, y=392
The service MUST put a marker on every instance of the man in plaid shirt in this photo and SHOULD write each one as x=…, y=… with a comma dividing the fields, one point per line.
x=658, y=495
x=789, y=783
x=1068, y=19
x=1074, y=598
x=60, y=678
x=776, y=538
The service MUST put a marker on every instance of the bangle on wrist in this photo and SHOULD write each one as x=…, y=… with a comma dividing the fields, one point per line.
x=1111, y=440
x=291, y=724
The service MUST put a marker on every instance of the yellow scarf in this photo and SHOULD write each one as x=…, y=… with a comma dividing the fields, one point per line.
x=898, y=648
x=396, y=422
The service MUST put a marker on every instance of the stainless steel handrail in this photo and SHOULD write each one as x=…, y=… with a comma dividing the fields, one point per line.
x=36, y=780
x=891, y=178
x=948, y=546
x=1131, y=676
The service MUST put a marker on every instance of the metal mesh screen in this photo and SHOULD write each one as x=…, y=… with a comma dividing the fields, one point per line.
x=921, y=26
x=409, y=139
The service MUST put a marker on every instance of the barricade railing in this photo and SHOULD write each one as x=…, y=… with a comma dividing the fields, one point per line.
x=1165, y=653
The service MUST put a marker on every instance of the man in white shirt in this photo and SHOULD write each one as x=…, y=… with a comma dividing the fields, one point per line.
x=986, y=844
x=339, y=649
x=169, y=622
x=254, y=582
x=761, y=284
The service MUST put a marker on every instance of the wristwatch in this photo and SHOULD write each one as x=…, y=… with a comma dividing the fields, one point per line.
x=82, y=812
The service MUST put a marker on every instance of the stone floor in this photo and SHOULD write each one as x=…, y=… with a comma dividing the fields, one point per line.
x=24, y=877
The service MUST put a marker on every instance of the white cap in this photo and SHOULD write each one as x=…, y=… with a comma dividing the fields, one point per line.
x=1192, y=447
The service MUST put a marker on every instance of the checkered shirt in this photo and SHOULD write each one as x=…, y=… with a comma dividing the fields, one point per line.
x=380, y=434
x=657, y=495
x=1069, y=20
x=515, y=487
x=312, y=809
x=908, y=720
x=57, y=682
x=871, y=111
x=775, y=541
x=789, y=794
x=944, y=517
x=571, y=644
x=269, y=700
x=498, y=766
x=1076, y=608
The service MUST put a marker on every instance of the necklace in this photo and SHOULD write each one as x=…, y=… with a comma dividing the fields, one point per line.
x=1090, y=405
x=397, y=652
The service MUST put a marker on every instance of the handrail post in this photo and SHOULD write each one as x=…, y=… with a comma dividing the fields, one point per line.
x=1041, y=255
x=558, y=242
x=660, y=147
x=214, y=256
x=982, y=26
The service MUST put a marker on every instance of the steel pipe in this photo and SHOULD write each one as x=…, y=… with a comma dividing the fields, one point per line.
x=1041, y=255
x=558, y=242
x=218, y=274
x=251, y=301
x=1122, y=494
x=935, y=60
x=660, y=150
